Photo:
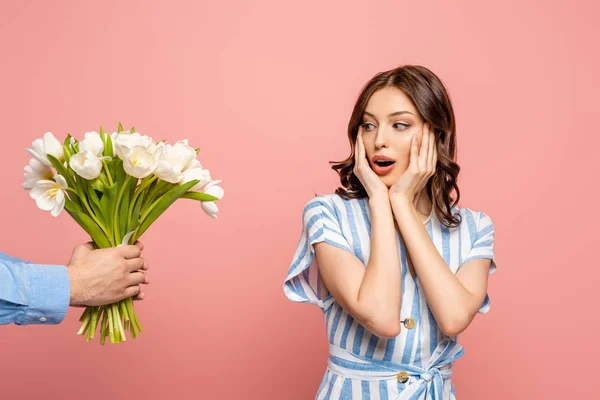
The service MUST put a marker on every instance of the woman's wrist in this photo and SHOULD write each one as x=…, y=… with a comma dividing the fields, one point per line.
x=401, y=200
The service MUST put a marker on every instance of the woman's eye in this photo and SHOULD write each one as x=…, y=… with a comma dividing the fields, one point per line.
x=400, y=126
x=367, y=126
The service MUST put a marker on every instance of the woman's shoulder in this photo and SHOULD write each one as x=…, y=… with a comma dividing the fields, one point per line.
x=471, y=216
x=333, y=206
x=330, y=199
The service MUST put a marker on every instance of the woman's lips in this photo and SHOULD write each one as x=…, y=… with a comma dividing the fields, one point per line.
x=380, y=170
x=386, y=168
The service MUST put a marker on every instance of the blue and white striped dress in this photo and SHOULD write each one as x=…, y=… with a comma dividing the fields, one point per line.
x=362, y=365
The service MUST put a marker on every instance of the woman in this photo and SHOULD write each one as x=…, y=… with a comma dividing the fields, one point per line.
x=398, y=268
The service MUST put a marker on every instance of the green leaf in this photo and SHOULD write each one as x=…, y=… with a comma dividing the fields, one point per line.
x=71, y=206
x=98, y=185
x=135, y=216
x=160, y=206
x=197, y=150
x=199, y=196
x=124, y=207
x=108, y=146
x=119, y=174
x=91, y=228
x=67, y=141
x=101, y=130
x=67, y=152
x=120, y=127
x=132, y=129
x=107, y=202
x=62, y=170
x=95, y=202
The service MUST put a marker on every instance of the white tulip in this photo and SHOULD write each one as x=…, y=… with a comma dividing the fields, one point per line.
x=34, y=172
x=92, y=143
x=86, y=164
x=124, y=143
x=139, y=162
x=195, y=163
x=214, y=190
x=40, y=148
x=49, y=195
x=210, y=208
x=203, y=175
x=173, y=160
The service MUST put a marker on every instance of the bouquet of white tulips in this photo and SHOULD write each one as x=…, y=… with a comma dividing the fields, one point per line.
x=115, y=186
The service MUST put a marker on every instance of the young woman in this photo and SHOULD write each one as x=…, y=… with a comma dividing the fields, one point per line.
x=398, y=269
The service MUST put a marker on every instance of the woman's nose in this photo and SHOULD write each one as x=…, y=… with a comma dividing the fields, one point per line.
x=380, y=138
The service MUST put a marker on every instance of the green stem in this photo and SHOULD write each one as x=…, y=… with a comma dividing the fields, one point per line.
x=118, y=237
x=93, y=216
x=72, y=190
x=110, y=180
x=111, y=332
x=137, y=193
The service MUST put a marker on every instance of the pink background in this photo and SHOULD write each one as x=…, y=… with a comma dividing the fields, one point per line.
x=266, y=90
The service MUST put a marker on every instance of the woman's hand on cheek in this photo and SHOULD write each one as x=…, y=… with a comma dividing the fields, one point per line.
x=363, y=171
x=421, y=167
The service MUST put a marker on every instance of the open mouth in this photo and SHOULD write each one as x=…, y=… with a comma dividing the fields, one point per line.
x=384, y=163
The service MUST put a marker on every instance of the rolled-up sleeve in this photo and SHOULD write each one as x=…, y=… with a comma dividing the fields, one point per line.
x=32, y=293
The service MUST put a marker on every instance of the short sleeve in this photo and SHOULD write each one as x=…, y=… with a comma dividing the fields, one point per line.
x=319, y=224
x=483, y=247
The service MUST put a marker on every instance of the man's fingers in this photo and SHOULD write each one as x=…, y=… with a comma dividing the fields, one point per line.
x=139, y=244
x=139, y=296
x=145, y=266
x=132, y=291
x=134, y=264
x=129, y=251
x=136, y=278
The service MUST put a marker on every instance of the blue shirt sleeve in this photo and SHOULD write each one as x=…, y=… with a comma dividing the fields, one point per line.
x=32, y=293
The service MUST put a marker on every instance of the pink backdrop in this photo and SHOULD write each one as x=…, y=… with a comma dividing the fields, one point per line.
x=266, y=90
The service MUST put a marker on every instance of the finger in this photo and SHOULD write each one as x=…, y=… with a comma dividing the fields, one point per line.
x=129, y=251
x=414, y=151
x=424, y=147
x=136, y=278
x=132, y=291
x=134, y=264
x=430, y=152
x=139, y=244
x=362, y=154
x=145, y=266
x=89, y=246
x=82, y=249
x=139, y=296
x=356, y=146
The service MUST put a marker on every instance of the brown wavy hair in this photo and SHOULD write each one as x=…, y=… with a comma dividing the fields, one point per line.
x=432, y=101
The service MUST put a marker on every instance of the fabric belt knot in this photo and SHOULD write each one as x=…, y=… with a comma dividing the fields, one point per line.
x=428, y=383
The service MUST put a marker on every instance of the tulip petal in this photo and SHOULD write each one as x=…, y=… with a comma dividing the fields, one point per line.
x=40, y=188
x=62, y=183
x=210, y=208
x=52, y=146
x=45, y=202
x=59, y=204
x=216, y=191
x=39, y=157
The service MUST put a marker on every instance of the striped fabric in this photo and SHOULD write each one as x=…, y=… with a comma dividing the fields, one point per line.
x=424, y=351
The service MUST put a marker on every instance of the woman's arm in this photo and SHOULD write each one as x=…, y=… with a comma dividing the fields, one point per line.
x=454, y=299
x=372, y=295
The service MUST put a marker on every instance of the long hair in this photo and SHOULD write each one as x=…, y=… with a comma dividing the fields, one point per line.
x=432, y=101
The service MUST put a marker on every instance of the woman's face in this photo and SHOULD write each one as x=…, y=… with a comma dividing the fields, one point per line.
x=389, y=121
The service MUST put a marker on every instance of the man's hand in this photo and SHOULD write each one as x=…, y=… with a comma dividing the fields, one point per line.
x=105, y=276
